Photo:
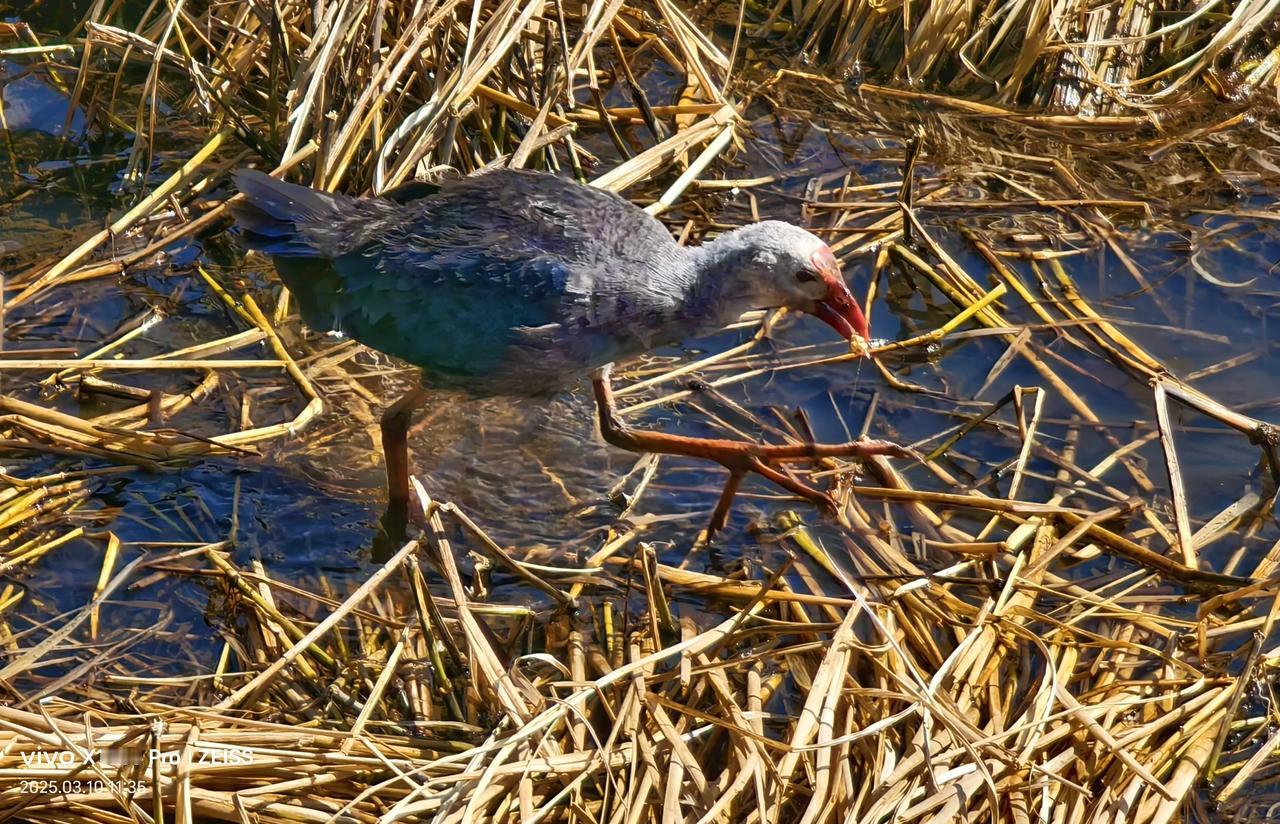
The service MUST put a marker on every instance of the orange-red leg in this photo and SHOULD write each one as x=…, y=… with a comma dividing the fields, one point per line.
x=720, y=515
x=395, y=451
x=739, y=457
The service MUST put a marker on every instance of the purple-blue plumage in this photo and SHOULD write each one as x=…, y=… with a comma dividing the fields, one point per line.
x=517, y=282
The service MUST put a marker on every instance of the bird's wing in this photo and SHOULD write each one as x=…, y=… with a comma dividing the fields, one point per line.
x=505, y=259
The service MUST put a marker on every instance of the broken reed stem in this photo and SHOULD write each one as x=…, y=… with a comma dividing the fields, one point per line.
x=144, y=208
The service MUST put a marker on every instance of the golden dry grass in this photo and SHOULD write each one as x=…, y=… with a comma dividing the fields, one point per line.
x=1072, y=658
x=1074, y=57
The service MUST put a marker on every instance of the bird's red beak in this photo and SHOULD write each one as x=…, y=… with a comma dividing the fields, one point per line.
x=839, y=309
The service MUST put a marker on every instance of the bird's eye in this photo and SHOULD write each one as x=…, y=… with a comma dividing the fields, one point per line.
x=806, y=275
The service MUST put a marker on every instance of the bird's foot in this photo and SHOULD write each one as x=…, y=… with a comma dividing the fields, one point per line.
x=739, y=457
x=769, y=461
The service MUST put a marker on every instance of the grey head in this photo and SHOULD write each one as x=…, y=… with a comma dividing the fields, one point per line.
x=775, y=264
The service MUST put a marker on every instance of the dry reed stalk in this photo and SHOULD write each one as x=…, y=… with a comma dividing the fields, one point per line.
x=1083, y=59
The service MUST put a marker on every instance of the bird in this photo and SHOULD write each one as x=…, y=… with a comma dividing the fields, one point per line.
x=520, y=282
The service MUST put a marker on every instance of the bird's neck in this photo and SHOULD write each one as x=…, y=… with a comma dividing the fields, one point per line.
x=714, y=297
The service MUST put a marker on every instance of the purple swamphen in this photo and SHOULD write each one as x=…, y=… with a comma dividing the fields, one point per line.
x=518, y=282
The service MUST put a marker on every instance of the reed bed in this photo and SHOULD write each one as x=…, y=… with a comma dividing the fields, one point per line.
x=1052, y=636
x=1077, y=58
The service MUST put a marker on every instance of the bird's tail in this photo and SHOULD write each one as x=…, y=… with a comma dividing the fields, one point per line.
x=283, y=218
